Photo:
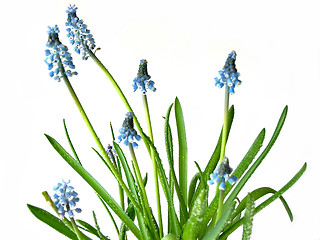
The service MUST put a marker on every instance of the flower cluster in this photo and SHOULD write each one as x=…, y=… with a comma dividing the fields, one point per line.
x=221, y=174
x=229, y=74
x=142, y=80
x=111, y=151
x=78, y=33
x=65, y=199
x=58, y=59
x=127, y=132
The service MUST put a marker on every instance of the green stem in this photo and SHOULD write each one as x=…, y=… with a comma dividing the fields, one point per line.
x=154, y=163
x=223, y=149
x=143, y=191
x=119, y=91
x=225, y=125
x=76, y=230
x=220, y=208
x=96, y=138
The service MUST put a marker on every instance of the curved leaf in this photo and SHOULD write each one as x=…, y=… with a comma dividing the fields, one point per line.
x=52, y=221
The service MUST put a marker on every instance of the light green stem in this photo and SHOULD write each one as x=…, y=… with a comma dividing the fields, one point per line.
x=225, y=125
x=96, y=138
x=143, y=191
x=75, y=228
x=223, y=149
x=119, y=91
x=154, y=163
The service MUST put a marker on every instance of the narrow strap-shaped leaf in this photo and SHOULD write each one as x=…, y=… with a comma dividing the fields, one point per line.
x=282, y=190
x=192, y=188
x=215, y=155
x=258, y=193
x=87, y=227
x=101, y=236
x=267, y=202
x=52, y=221
x=256, y=164
x=110, y=214
x=214, y=233
x=166, y=189
x=70, y=143
x=95, y=185
x=248, y=218
x=183, y=159
x=254, y=149
x=168, y=137
x=131, y=183
x=248, y=158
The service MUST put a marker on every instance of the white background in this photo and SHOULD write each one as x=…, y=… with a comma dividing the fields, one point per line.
x=185, y=43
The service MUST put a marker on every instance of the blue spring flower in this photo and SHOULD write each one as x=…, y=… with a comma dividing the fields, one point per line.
x=229, y=74
x=221, y=174
x=65, y=199
x=78, y=33
x=127, y=132
x=142, y=80
x=111, y=151
x=58, y=59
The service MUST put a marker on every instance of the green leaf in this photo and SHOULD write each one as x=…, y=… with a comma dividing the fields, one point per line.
x=165, y=186
x=87, y=227
x=248, y=218
x=215, y=232
x=267, y=202
x=131, y=183
x=258, y=193
x=70, y=143
x=168, y=137
x=191, y=228
x=183, y=159
x=100, y=235
x=282, y=190
x=192, y=188
x=246, y=161
x=215, y=158
x=256, y=164
x=248, y=158
x=52, y=221
x=95, y=186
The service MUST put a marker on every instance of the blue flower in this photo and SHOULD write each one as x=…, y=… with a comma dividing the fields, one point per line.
x=142, y=80
x=111, y=151
x=78, y=33
x=127, y=132
x=221, y=174
x=58, y=59
x=229, y=74
x=65, y=199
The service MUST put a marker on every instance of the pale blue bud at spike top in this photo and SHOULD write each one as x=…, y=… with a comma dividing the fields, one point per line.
x=229, y=74
x=142, y=81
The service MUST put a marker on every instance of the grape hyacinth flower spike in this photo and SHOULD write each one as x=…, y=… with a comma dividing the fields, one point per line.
x=58, y=59
x=221, y=174
x=65, y=199
x=229, y=74
x=127, y=132
x=78, y=33
x=142, y=80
